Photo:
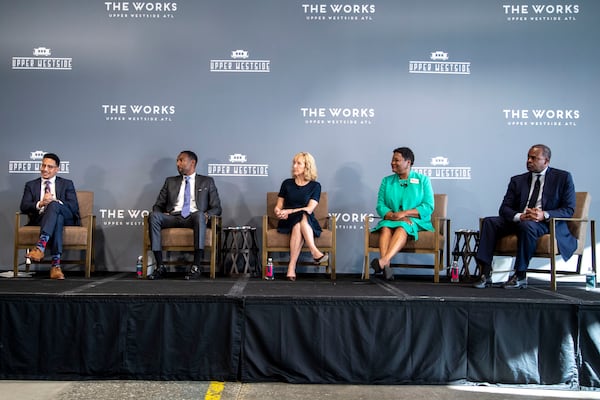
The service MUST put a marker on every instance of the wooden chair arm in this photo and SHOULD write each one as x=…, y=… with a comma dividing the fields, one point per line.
x=569, y=219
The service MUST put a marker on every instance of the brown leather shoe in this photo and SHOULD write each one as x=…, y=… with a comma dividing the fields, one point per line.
x=35, y=255
x=56, y=273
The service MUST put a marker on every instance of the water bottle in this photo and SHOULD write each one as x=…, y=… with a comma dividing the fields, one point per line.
x=138, y=267
x=454, y=272
x=590, y=279
x=269, y=270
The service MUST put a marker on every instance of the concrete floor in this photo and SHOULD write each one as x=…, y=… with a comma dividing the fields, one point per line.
x=101, y=390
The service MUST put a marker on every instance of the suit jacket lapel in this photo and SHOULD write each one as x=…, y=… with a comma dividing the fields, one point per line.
x=197, y=187
x=548, y=185
x=58, y=187
x=38, y=191
x=176, y=188
x=525, y=192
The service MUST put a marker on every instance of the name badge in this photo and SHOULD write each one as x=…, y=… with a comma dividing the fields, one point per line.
x=414, y=180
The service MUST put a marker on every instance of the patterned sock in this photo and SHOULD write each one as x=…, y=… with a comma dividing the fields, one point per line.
x=56, y=260
x=41, y=244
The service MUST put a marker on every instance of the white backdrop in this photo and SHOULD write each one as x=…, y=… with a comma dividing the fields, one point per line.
x=117, y=89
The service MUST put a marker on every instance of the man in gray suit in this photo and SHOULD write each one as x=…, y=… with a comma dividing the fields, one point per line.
x=187, y=200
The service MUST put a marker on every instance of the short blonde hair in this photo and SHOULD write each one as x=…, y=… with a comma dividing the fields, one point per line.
x=310, y=166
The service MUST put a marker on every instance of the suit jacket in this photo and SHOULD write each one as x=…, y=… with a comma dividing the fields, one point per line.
x=558, y=200
x=65, y=192
x=206, y=194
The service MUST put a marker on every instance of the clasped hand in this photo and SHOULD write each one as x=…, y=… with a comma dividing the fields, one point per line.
x=282, y=214
x=532, y=214
x=48, y=198
x=399, y=216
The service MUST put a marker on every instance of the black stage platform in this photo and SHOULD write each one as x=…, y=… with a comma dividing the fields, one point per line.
x=114, y=326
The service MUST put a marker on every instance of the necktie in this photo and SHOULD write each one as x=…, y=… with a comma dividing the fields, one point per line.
x=535, y=193
x=185, y=210
x=47, y=188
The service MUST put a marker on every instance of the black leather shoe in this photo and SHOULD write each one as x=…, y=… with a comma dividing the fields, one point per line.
x=375, y=266
x=483, y=282
x=388, y=273
x=194, y=273
x=159, y=273
x=515, y=283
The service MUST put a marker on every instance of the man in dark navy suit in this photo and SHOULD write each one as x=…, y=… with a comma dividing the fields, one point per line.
x=187, y=200
x=530, y=201
x=50, y=202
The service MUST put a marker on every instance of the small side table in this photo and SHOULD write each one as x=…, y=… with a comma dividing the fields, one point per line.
x=240, y=246
x=466, y=243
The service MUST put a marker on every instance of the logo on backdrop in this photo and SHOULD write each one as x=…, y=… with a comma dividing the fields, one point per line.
x=351, y=221
x=541, y=117
x=138, y=112
x=337, y=115
x=438, y=64
x=338, y=12
x=240, y=61
x=122, y=217
x=140, y=9
x=33, y=165
x=540, y=12
x=439, y=168
x=238, y=166
x=42, y=60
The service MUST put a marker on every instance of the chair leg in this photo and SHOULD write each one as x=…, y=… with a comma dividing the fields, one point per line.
x=593, y=241
x=144, y=262
x=553, y=273
x=579, y=261
x=88, y=263
x=16, y=262
x=213, y=262
x=332, y=264
x=436, y=267
x=265, y=255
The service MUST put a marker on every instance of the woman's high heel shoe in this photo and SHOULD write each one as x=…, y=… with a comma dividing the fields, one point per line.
x=323, y=259
x=291, y=277
x=375, y=266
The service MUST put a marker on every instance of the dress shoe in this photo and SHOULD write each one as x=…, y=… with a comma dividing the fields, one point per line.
x=388, y=273
x=56, y=273
x=36, y=254
x=159, y=273
x=375, y=266
x=516, y=283
x=483, y=282
x=194, y=273
x=323, y=259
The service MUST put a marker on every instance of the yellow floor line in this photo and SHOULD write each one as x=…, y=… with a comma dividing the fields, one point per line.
x=214, y=391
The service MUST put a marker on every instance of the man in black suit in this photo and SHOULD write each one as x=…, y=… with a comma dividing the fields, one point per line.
x=187, y=200
x=530, y=201
x=51, y=203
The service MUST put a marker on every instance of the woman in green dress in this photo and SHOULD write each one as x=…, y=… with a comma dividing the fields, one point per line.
x=405, y=204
